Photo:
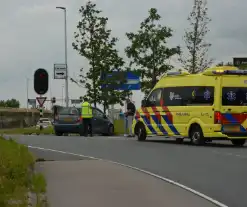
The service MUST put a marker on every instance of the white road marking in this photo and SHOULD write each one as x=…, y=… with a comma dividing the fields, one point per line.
x=143, y=171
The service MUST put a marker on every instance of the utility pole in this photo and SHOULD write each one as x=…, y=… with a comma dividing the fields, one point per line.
x=66, y=56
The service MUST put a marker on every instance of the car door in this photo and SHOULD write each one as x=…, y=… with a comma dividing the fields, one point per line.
x=102, y=121
x=95, y=121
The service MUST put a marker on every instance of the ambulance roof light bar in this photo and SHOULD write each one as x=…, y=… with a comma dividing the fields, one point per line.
x=229, y=72
x=180, y=72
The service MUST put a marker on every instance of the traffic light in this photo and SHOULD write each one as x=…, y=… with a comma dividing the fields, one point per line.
x=41, y=112
x=41, y=81
x=81, y=98
x=53, y=100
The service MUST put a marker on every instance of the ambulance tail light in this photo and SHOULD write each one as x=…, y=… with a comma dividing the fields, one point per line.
x=217, y=117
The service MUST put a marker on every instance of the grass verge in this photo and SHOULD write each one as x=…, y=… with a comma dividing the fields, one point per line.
x=30, y=130
x=17, y=177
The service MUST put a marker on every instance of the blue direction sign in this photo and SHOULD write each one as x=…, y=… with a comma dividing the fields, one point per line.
x=131, y=81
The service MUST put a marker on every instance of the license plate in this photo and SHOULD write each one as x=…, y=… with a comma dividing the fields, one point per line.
x=67, y=119
x=232, y=128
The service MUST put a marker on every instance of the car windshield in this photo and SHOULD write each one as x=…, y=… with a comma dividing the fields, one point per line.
x=68, y=111
x=65, y=111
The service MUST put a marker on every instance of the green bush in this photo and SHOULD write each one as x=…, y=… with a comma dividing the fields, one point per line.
x=16, y=175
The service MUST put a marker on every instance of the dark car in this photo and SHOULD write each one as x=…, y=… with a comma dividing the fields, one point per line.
x=69, y=120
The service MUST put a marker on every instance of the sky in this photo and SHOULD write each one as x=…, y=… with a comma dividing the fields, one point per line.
x=32, y=37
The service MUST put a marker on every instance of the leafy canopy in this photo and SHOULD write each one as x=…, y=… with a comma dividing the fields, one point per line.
x=149, y=50
x=93, y=41
x=12, y=103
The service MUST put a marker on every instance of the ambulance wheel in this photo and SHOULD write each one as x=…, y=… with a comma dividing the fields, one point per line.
x=196, y=135
x=141, y=132
x=238, y=142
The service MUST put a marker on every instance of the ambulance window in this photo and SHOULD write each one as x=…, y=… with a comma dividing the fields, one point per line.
x=172, y=96
x=189, y=96
x=154, y=98
x=201, y=95
x=234, y=96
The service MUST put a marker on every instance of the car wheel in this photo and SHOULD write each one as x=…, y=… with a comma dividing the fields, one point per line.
x=238, y=142
x=58, y=133
x=141, y=133
x=196, y=135
x=110, y=130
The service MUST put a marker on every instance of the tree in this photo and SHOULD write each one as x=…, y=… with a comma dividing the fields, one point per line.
x=149, y=50
x=11, y=103
x=197, y=48
x=94, y=42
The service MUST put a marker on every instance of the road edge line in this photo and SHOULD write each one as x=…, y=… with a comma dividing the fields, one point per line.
x=140, y=170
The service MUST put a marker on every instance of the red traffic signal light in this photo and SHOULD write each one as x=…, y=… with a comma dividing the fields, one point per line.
x=42, y=75
x=41, y=81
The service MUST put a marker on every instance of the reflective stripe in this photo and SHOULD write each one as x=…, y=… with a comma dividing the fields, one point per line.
x=163, y=120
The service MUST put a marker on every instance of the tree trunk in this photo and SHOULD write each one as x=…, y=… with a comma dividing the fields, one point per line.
x=195, y=38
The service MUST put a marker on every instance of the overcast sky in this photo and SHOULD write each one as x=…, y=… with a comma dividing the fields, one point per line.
x=32, y=36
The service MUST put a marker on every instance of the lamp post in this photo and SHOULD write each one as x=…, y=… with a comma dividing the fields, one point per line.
x=27, y=85
x=66, y=56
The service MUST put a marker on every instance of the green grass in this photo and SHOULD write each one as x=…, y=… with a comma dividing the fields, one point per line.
x=16, y=175
x=31, y=130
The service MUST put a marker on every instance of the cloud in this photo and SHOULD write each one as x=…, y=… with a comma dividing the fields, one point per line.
x=32, y=36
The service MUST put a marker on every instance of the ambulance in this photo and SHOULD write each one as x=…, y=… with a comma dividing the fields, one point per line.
x=211, y=105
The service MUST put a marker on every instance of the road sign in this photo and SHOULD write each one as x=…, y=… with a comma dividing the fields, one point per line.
x=131, y=81
x=41, y=100
x=32, y=101
x=240, y=63
x=60, y=71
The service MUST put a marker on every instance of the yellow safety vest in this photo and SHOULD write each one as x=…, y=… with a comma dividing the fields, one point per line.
x=86, y=110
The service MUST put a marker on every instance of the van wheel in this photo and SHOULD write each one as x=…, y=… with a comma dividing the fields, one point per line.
x=196, y=135
x=238, y=142
x=141, y=133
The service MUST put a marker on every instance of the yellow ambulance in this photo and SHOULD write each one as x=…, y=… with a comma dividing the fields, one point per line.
x=211, y=105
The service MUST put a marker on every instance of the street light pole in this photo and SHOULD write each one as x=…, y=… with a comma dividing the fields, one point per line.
x=27, y=82
x=66, y=56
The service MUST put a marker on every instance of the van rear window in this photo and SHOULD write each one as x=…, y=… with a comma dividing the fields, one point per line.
x=234, y=96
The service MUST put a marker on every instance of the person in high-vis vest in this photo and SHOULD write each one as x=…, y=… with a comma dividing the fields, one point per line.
x=87, y=115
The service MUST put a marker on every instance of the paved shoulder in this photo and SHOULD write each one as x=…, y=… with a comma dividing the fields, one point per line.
x=99, y=183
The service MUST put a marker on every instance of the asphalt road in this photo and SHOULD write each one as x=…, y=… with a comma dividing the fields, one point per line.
x=217, y=170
